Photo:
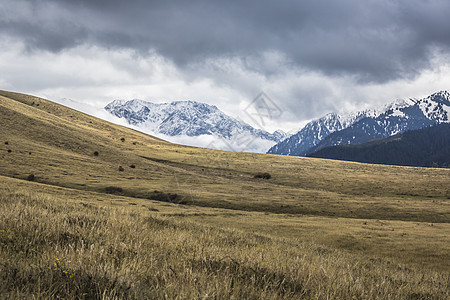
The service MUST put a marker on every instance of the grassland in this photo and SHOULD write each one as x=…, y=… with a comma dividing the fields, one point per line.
x=316, y=229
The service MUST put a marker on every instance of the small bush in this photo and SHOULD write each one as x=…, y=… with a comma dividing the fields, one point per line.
x=31, y=177
x=96, y=153
x=9, y=150
x=113, y=189
x=6, y=143
x=121, y=169
x=122, y=139
x=263, y=175
x=132, y=166
x=161, y=196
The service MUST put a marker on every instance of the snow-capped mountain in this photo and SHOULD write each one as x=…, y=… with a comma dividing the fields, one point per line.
x=194, y=123
x=315, y=131
x=391, y=119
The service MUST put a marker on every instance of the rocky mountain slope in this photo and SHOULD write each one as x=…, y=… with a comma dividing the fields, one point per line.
x=364, y=126
x=194, y=119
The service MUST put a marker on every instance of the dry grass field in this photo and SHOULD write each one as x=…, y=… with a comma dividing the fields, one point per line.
x=89, y=209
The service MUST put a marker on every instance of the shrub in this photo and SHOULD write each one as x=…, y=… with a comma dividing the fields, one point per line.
x=132, y=166
x=122, y=139
x=31, y=177
x=6, y=143
x=9, y=150
x=96, y=153
x=121, y=169
x=263, y=175
x=113, y=189
x=161, y=196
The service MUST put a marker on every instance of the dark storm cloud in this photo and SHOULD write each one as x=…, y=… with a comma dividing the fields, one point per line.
x=377, y=40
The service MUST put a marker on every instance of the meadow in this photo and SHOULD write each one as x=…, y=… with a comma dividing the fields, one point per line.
x=90, y=209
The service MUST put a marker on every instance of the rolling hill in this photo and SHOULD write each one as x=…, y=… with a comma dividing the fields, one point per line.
x=89, y=207
x=428, y=147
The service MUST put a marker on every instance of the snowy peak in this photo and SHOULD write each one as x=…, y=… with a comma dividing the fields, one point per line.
x=315, y=131
x=116, y=103
x=190, y=119
x=396, y=117
x=436, y=107
x=442, y=97
x=397, y=105
x=280, y=134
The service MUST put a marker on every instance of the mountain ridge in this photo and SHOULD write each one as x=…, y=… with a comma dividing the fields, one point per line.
x=393, y=118
x=192, y=119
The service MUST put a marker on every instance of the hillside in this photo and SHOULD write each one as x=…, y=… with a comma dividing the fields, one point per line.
x=428, y=147
x=141, y=217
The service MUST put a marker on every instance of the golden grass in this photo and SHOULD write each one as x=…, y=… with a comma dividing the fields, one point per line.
x=59, y=248
x=395, y=220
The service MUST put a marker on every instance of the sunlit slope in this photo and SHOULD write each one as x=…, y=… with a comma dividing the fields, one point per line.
x=57, y=144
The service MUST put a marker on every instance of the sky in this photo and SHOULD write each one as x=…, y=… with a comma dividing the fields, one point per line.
x=310, y=57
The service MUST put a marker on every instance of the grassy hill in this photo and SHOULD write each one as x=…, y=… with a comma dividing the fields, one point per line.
x=427, y=147
x=139, y=217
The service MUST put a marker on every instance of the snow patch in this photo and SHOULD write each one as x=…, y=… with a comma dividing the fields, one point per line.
x=398, y=113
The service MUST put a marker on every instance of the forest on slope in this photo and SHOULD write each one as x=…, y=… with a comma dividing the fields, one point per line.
x=428, y=147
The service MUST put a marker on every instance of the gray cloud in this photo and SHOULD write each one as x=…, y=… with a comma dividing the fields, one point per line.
x=377, y=41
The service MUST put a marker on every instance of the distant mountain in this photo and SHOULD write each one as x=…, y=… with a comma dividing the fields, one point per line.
x=364, y=126
x=314, y=132
x=426, y=147
x=190, y=120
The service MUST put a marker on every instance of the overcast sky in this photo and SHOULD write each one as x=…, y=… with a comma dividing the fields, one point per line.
x=310, y=57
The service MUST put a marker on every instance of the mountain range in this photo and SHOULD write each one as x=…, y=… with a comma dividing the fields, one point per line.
x=200, y=124
x=197, y=123
x=360, y=127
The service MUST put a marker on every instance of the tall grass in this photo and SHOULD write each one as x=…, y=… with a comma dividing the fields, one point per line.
x=52, y=248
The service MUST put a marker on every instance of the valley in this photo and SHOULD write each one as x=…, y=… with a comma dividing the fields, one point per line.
x=180, y=218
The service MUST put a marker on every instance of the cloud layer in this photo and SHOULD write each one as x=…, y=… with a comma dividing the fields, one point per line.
x=319, y=55
x=376, y=40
